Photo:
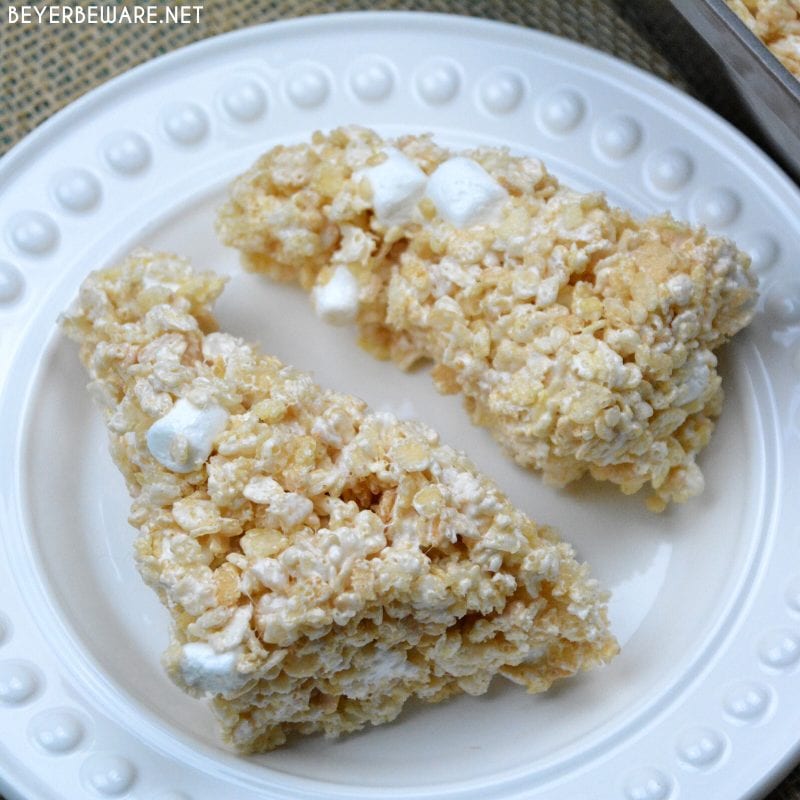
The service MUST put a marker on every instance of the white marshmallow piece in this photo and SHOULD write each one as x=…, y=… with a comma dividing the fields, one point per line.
x=183, y=438
x=695, y=377
x=204, y=669
x=464, y=193
x=387, y=666
x=398, y=184
x=219, y=345
x=680, y=289
x=337, y=301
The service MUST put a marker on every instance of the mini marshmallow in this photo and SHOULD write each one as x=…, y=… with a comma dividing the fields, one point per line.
x=183, y=438
x=337, y=300
x=398, y=184
x=219, y=345
x=680, y=289
x=204, y=669
x=464, y=193
x=696, y=375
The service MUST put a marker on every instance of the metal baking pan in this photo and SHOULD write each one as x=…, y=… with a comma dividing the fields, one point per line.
x=769, y=93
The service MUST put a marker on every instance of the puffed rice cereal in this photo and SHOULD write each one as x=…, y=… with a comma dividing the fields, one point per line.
x=581, y=338
x=322, y=564
x=777, y=24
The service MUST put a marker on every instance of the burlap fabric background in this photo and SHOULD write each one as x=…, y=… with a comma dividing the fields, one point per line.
x=44, y=67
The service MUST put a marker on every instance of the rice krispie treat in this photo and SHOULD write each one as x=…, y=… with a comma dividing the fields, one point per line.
x=777, y=24
x=582, y=338
x=322, y=564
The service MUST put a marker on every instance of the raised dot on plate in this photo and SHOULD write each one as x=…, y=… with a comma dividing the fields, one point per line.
x=18, y=683
x=127, y=152
x=562, y=111
x=437, y=82
x=502, y=91
x=11, y=283
x=648, y=784
x=108, y=775
x=617, y=137
x=5, y=629
x=762, y=249
x=779, y=649
x=33, y=232
x=372, y=80
x=783, y=302
x=308, y=87
x=717, y=207
x=56, y=731
x=186, y=123
x=669, y=170
x=700, y=748
x=792, y=595
x=77, y=190
x=245, y=101
x=746, y=701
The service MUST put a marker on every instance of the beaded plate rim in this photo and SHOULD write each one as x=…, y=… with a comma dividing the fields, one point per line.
x=124, y=156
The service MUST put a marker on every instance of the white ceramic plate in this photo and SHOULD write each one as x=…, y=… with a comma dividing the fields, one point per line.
x=703, y=701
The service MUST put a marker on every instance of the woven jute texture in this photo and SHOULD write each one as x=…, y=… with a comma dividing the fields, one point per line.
x=43, y=67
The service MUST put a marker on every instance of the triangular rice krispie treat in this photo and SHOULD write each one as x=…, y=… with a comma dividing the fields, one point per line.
x=322, y=564
x=582, y=338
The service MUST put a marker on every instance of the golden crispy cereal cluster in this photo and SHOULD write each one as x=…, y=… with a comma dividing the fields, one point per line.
x=581, y=338
x=321, y=563
x=777, y=24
